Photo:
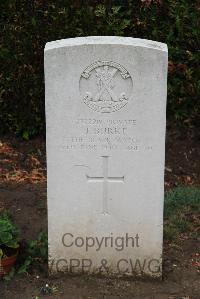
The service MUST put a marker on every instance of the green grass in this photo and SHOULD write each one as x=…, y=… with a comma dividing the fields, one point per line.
x=181, y=212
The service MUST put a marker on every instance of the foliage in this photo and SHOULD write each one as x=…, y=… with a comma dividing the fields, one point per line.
x=181, y=212
x=8, y=235
x=28, y=25
x=38, y=249
x=33, y=254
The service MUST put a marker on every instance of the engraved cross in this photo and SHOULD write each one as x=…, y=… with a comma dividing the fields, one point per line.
x=105, y=179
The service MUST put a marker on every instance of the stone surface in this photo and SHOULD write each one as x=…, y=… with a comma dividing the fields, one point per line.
x=105, y=116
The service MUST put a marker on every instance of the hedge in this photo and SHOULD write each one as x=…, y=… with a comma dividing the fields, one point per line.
x=28, y=25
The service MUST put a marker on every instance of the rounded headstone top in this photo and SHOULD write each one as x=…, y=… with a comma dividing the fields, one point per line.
x=112, y=40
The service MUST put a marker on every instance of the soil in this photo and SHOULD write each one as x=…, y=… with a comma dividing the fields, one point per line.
x=23, y=194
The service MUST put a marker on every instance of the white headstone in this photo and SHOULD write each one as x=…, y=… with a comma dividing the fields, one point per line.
x=105, y=115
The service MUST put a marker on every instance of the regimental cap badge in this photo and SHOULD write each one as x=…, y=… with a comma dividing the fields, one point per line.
x=105, y=86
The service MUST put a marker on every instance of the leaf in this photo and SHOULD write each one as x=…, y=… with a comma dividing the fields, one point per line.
x=25, y=135
x=6, y=237
x=33, y=21
x=10, y=275
x=25, y=266
x=116, y=9
x=100, y=10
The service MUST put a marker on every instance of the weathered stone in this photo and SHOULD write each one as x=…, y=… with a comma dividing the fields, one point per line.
x=105, y=115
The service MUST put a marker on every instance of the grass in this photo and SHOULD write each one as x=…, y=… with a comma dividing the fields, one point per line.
x=181, y=212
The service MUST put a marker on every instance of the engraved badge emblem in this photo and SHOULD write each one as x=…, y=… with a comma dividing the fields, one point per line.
x=105, y=86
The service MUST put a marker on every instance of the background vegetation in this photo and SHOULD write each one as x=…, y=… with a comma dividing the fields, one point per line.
x=27, y=25
x=181, y=212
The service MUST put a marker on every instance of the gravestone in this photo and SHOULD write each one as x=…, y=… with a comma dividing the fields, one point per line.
x=105, y=125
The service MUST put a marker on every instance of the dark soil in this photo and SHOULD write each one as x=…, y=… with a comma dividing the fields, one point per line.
x=23, y=194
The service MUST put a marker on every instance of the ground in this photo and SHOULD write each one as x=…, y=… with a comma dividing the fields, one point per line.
x=23, y=193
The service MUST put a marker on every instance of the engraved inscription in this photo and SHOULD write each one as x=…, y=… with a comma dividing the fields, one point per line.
x=105, y=86
x=95, y=143
x=105, y=179
x=106, y=134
